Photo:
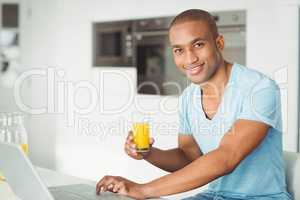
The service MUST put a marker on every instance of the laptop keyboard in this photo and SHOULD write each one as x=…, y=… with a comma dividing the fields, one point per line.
x=82, y=192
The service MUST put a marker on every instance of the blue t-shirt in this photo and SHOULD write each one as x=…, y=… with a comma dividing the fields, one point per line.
x=248, y=95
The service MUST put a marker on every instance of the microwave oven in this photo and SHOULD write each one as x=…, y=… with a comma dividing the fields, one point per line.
x=113, y=44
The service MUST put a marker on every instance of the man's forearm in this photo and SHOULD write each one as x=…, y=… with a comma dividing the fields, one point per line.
x=168, y=160
x=196, y=174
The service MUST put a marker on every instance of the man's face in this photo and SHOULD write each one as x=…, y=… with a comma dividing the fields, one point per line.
x=195, y=51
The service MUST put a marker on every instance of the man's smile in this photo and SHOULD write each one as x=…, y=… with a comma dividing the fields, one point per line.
x=194, y=69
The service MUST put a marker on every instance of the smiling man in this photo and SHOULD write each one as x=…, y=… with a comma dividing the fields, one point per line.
x=230, y=133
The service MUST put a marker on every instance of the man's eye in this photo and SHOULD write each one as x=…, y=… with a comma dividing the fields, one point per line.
x=177, y=51
x=199, y=44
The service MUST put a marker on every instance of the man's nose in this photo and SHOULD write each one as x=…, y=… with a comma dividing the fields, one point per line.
x=191, y=57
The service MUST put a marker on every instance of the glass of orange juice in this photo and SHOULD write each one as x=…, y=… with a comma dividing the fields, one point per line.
x=141, y=136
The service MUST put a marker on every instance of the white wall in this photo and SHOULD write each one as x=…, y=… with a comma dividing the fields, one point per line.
x=58, y=33
x=273, y=48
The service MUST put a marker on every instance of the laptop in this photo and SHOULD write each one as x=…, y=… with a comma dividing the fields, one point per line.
x=22, y=177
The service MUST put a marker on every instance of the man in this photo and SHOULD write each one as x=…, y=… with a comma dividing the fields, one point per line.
x=230, y=125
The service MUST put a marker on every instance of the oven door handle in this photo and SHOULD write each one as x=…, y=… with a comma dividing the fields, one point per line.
x=139, y=35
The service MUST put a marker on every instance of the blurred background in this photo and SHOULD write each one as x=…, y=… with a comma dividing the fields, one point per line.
x=81, y=71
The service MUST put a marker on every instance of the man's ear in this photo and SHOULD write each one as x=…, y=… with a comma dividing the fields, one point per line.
x=220, y=42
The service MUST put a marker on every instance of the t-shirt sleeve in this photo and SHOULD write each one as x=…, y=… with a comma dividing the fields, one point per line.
x=262, y=104
x=184, y=124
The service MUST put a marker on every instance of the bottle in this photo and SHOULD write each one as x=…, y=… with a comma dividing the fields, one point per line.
x=2, y=126
x=19, y=133
x=8, y=128
x=2, y=139
x=3, y=136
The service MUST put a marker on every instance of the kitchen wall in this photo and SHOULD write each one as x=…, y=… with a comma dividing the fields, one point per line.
x=6, y=81
x=56, y=38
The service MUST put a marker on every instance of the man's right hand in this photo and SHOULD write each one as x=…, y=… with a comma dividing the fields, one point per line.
x=130, y=148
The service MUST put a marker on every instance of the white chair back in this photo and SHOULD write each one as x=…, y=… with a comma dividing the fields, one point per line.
x=292, y=170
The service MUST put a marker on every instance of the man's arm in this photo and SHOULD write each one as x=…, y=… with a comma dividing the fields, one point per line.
x=174, y=159
x=241, y=140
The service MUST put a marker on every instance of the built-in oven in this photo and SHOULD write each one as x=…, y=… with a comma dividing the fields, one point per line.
x=144, y=44
x=113, y=44
x=156, y=71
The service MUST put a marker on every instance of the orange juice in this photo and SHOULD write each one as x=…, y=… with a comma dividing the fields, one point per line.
x=141, y=136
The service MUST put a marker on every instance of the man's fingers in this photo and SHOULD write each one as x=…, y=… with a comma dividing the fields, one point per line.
x=110, y=186
x=129, y=136
x=132, y=145
x=105, y=184
x=110, y=183
x=99, y=185
x=119, y=187
x=130, y=148
x=116, y=187
x=152, y=141
x=123, y=190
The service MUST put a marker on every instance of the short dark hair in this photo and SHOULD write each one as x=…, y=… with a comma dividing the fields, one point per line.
x=197, y=15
